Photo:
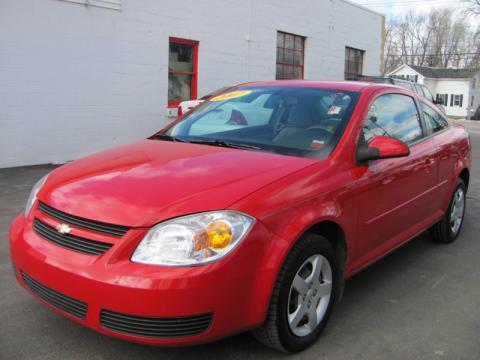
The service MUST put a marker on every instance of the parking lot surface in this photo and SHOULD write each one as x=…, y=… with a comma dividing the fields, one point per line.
x=420, y=302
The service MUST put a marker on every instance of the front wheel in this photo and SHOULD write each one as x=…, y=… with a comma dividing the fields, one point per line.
x=303, y=297
x=447, y=229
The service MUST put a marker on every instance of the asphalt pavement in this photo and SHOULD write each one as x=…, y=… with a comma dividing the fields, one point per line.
x=420, y=302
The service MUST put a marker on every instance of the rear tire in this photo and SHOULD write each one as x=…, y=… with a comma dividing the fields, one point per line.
x=303, y=297
x=447, y=230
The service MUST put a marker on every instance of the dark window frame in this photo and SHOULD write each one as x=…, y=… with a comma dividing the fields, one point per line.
x=349, y=75
x=193, y=73
x=456, y=100
x=291, y=64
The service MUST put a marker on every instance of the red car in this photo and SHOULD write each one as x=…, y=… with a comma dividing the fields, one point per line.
x=248, y=213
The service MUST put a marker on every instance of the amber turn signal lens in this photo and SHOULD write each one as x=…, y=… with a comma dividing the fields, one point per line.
x=219, y=235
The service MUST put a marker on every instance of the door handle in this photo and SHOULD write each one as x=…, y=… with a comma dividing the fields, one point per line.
x=428, y=164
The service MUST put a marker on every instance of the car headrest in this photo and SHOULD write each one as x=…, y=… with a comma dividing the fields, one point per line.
x=300, y=116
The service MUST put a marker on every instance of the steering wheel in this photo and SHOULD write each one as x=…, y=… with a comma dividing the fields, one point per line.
x=322, y=132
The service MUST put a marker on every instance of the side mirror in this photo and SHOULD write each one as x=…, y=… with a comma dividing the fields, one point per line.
x=382, y=147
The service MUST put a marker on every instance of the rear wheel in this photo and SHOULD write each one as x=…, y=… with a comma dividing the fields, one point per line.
x=447, y=229
x=303, y=296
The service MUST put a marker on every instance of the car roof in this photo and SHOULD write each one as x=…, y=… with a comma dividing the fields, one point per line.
x=325, y=84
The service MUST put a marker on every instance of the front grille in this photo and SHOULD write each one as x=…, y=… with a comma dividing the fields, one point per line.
x=76, y=243
x=154, y=326
x=63, y=302
x=104, y=228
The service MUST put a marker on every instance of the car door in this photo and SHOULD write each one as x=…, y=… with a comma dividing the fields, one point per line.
x=437, y=127
x=396, y=196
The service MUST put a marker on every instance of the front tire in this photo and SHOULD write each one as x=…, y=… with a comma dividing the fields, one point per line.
x=303, y=297
x=447, y=229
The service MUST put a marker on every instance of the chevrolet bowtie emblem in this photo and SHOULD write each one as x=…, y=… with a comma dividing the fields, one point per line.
x=63, y=228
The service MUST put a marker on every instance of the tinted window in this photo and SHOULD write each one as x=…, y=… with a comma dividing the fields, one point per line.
x=433, y=120
x=404, y=84
x=428, y=94
x=419, y=90
x=286, y=120
x=393, y=115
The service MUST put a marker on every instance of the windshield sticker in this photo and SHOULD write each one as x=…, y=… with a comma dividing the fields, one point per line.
x=231, y=95
x=334, y=110
x=317, y=144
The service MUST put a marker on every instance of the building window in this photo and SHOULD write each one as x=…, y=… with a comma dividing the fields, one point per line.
x=182, y=71
x=471, y=101
x=442, y=98
x=290, y=56
x=456, y=100
x=412, y=78
x=109, y=4
x=353, y=63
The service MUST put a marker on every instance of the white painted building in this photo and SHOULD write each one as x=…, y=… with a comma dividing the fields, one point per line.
x=459, y=89
x=78, y=76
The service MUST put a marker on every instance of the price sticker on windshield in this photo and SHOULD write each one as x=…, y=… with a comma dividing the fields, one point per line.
x=231, y=95
x=334, y=110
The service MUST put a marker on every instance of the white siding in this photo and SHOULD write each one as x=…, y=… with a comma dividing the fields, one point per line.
x=77, y=79
x=407, y=71
x=456, y=87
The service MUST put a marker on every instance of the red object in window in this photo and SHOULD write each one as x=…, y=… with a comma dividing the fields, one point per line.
x=237, y=118
x=193, y=73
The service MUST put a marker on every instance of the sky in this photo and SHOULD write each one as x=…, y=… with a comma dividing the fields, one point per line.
x=398, y=7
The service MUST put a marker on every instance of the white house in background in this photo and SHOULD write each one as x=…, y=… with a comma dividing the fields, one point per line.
x=459, y=89
x=79, y=76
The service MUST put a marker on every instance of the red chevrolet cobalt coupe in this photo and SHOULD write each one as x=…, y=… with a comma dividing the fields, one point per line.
x=248, y=213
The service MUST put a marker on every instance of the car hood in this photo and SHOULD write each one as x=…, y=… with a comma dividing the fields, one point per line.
x=146, y=182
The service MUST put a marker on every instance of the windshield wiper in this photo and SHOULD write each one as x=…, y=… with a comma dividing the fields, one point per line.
x=223, y=143
x=167, y=137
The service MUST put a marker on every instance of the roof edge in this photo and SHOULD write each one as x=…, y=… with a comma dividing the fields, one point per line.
x=349, y=2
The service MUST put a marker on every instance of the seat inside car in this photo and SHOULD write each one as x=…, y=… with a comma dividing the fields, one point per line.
x=298, y=130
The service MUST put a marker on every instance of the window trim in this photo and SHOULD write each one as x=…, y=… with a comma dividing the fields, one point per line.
x=349, y=75
x=444, y=98
x=277, y=62
x=453, y=100
x=193, y=73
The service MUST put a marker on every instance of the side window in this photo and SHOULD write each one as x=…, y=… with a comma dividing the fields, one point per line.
x=428, y=94
x=405, y=84
x=433, y=120
x=393, y=115
x=418, y=90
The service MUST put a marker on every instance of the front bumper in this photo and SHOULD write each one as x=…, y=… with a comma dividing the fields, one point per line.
x=215, y=300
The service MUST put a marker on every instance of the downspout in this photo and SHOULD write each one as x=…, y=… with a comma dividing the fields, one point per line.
x=248, y=37
x=382, y=50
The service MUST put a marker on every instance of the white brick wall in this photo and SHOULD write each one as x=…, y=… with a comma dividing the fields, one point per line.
x=76, y=79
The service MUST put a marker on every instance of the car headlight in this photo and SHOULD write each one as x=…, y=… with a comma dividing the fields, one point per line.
x=33, y=195
x=193, y=239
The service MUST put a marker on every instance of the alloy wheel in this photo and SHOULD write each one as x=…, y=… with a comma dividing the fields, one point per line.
x=457, y=210
x=309, y=295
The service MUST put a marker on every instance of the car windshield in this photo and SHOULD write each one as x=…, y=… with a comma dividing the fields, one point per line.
x=288, y=120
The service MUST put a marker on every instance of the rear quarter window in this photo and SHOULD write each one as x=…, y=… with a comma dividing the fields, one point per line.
x=434, y=121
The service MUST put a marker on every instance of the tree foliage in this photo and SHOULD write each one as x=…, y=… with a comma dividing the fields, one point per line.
x=440, y=38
